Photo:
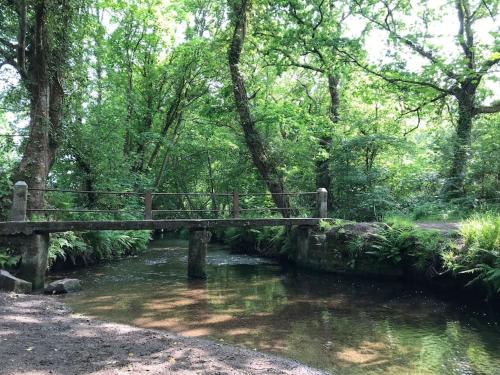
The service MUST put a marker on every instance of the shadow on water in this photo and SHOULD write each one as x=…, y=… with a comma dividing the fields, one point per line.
x=345, y=326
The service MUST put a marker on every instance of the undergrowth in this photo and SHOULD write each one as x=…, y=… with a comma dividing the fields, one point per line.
x=7, y=258
x=479, y=255
x=95, y=246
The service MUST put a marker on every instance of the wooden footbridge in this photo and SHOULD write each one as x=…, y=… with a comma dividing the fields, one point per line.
x=31, y=238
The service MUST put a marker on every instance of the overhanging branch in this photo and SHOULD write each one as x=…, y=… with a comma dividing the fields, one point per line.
x=494, y=108
x=429, y=55
x=395, y=80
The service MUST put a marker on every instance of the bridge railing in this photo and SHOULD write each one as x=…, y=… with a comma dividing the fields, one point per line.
x=170, y=205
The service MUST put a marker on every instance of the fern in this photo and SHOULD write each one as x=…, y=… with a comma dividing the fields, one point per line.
x=7, y=260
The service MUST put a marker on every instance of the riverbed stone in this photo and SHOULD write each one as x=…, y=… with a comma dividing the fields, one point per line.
x=10, y=283
x=63, y=286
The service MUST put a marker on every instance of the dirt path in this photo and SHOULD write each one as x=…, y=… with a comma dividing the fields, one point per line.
x=39, y=335
x=440, y=226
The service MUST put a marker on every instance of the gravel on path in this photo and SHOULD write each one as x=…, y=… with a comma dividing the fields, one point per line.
x=39, y=335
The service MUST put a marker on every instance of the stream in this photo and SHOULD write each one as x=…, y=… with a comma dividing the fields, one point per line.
x=342, y=325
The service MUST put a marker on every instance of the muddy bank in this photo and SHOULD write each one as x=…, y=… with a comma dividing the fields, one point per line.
x=39, y=335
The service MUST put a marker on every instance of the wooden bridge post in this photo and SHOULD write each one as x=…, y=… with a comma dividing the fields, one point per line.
x=322, y=203
x=197, y=253
x=19, y=202
x=236, y=205
x=148, y=206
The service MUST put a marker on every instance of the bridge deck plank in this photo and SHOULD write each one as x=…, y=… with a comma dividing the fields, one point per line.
x=17, y=227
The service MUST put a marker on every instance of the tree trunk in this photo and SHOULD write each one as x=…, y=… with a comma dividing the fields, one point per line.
x=173, y=114
x=323, y=174
x=35, y=163
x=455, y=185
x=267, y=169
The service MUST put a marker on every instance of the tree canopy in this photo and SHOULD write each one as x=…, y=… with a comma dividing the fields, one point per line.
x=391, y=105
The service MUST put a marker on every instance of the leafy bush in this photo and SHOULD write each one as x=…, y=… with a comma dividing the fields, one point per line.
x=100, y=245
x=114, y=244
x=480, y=253
x=266, y=240
x=7, y=259
x=403, y=241
x=67, y=245
x=481, y=232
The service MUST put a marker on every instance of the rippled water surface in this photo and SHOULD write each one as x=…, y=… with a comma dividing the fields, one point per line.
x=340, y=325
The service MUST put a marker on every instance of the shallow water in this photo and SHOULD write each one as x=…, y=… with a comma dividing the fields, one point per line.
x=329, y=322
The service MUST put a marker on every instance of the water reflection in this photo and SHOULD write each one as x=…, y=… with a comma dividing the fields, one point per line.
x=345, y=326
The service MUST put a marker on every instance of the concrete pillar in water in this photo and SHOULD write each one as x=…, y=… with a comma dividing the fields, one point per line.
x=34, y=257
x=303, y=233
x=197, y=255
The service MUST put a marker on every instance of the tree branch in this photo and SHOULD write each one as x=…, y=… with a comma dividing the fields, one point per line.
x=465, y=35
x=429, y=55
x=21, y=10
x=395, y=80
x=292, y=62
x=417, y=109
x=7, y=44
x=489, y=63
x=494, y=108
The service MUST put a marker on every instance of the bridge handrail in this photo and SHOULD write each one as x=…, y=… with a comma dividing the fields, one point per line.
x=21, y=190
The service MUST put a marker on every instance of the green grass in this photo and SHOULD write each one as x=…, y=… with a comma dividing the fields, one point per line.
x=481, y=232
x=479, y=253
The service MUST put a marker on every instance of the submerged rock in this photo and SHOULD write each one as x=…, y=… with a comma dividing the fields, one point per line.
x=63, y=286
x=11, y=283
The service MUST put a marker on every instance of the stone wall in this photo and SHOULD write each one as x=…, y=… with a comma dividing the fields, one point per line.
x=342, y=249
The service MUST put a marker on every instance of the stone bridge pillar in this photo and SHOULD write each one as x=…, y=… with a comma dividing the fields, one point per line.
x=32, y=248
x=197, y=254
x=303, y=233
x=34, y=258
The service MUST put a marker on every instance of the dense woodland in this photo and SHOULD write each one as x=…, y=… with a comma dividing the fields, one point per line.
x=392, y=105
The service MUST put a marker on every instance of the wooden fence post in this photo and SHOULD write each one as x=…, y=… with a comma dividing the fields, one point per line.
x=322, y=203
x=236, y=205
x=19, y=202
x=148, y=205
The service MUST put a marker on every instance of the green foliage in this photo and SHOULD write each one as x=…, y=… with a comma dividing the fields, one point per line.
x=479, y=255
x=115, y=244
x=8, y=259
x=103, y=245
x=68, y=245
x=266, y=240
x=402, y=242
x=481, y=232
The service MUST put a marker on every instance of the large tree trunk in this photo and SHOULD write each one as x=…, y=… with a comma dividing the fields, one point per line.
x=323, y=174
x=264, y=165
x=455, y=185
x=34, y=165
x=43, y=81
